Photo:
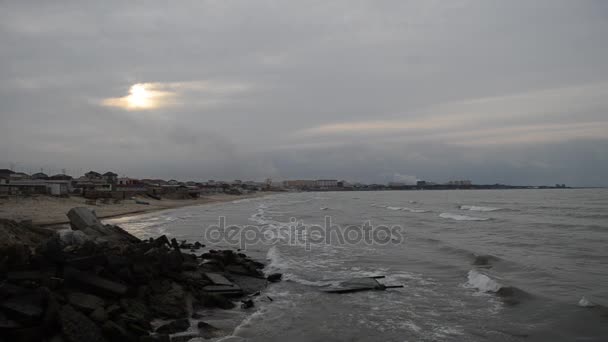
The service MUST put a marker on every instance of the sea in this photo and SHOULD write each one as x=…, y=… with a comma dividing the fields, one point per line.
x=475, y=265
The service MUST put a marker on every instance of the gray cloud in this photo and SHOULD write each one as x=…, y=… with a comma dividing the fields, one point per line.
x=494, y=91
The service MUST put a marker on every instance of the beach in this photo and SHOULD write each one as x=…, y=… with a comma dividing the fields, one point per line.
x=47, y=210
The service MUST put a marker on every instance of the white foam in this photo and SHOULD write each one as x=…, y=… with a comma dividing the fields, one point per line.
x=482, y=282
x=477, y=208
x=276, y=260
x=585, y=303
x=462, y=217
x=394, y=208
x=325, y=208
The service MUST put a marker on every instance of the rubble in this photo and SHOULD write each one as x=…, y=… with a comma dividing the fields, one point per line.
x=97, y=282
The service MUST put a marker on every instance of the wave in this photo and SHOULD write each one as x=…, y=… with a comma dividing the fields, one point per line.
x=478, y=208
x=508, y=294
x=325, y=208
x=586, y=303
x=462, y=217
x=276, y=261
x=411, y=210
x=482, y=282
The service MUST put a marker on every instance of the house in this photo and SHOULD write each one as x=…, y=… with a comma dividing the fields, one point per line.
x=127, y=181
x=40, y=175
x=39, y=186
x=19, y=176
x=172, y=182
x=93, y=175
x=6, y=173
x=110, y=177
x=60, y=176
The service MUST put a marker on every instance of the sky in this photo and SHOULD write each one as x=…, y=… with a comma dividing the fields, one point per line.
x=512, y=91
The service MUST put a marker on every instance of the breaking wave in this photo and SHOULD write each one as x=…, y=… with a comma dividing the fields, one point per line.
x=462, y=217
x=276, y=261
x=482, y=282
x=585, y=303
x=508, y=294
x=411, y=210
x=478, y=208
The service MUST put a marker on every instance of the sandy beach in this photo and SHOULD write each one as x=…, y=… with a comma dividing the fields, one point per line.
x=46, y=210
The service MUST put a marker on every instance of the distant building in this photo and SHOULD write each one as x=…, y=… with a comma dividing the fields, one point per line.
x=460, y=182
x=93, y=175
x=110, y=177
x=19, y=176
x=300, y=184
x=6, y=173
x=327, y=183
x=60, y=177
x=40, y=175
x=127, y=181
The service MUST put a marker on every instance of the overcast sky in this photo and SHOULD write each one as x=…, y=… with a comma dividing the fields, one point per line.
x=512, y=91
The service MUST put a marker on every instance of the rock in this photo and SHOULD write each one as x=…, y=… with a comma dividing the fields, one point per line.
x=196, y=316
x=95, y=284
x=207, y=300
x=246, y=304
x=87, y=262
x=136, y=308
x=114, y=332
x=171, y=304
x=275, y=277
x=26, y=308
x=174, y=327
x=99, y=315
x=208, y=331
x=69, y=237
x=85, y=220
x=185, y=337
x=85, y=302
x=155, y=338
x=77, y=327
x=81, y=218
x=113, y=310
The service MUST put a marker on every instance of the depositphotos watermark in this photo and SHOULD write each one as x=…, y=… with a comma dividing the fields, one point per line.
x=296, y=233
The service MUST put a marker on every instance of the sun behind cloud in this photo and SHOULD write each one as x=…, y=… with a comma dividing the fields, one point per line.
x=142, y=96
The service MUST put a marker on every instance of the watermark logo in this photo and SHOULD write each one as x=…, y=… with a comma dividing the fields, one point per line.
x=297, y=233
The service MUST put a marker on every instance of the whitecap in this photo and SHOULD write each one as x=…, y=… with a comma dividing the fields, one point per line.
x=482, y=282
x=462, y=217
x=585, y=303
x=477, y=208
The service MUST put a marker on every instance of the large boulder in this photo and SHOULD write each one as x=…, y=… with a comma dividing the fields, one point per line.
x=85, y=220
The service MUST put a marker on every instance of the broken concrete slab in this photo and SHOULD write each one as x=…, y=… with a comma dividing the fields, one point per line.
x=25, y=308
x=95, y=284
x=218, y=279
x=85, y=302
x=223, y=289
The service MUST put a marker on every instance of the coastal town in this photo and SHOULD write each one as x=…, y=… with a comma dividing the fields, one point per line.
x=109, y=185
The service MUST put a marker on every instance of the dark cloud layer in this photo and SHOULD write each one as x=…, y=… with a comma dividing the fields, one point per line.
x=493, y=91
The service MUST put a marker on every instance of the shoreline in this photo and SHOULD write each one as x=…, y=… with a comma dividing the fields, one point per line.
x=48, y=211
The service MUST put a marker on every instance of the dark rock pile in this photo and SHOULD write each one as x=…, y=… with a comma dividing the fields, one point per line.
x=99, y=283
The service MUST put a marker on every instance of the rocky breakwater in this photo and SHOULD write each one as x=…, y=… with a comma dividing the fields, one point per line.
x=97, y=282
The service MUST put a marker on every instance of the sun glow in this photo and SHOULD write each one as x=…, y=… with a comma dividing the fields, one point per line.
x=139, y=97
x=142, y=96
